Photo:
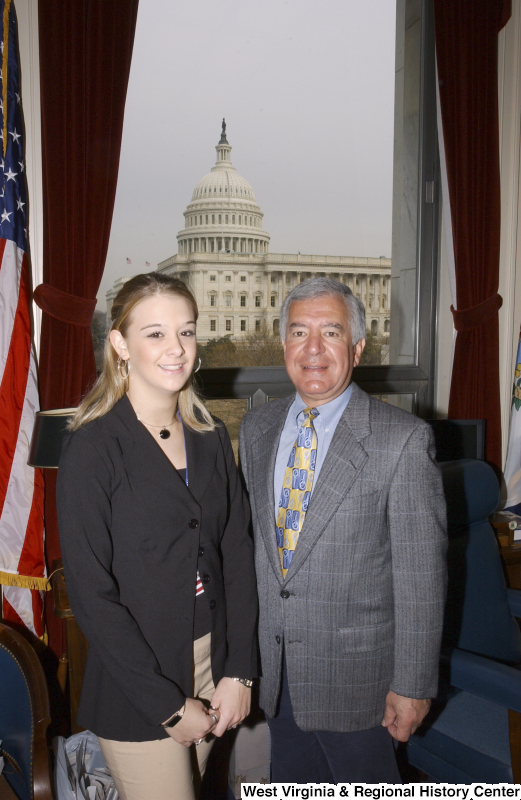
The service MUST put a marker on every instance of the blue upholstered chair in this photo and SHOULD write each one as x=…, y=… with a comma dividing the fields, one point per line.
x=473, y=732
x=24, y=718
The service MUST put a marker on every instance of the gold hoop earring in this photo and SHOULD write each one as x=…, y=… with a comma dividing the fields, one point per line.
x=123, y=368
x=198, y=368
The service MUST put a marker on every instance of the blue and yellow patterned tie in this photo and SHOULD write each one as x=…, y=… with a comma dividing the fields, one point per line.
x=296, y=489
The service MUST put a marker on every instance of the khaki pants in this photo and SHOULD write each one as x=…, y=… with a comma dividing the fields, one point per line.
x=163, y=769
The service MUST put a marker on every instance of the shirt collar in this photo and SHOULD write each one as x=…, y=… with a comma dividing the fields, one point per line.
x=328, y=411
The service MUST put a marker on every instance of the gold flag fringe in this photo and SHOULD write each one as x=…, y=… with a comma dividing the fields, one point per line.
x=25, y=581
x=7, y=6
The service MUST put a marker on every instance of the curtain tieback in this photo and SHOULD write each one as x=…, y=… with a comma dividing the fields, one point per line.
x=63, y=306
x=473, y=317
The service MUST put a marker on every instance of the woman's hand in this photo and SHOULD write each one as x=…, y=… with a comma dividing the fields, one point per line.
x=232, y=700
x=196, y=723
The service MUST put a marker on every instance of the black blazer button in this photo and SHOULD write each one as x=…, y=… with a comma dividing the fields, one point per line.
x=193, y=523
x=284, y=594
x=277, y=639
x=206, y=579
x=212, y=604
x=201, y=551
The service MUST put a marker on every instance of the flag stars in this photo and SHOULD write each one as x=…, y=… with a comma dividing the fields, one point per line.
x=22, y=166
x=20, y=205
x=15, y=135
x=18, y=97
x=5, y=216
x=10, y=175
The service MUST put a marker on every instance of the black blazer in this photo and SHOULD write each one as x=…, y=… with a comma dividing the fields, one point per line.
x=133, y=536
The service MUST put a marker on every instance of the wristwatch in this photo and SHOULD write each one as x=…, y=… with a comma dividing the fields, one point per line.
x=175, y=718
x=245, y=682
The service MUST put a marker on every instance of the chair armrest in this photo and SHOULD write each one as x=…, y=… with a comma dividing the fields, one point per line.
x=514, y=601
x=486, y=678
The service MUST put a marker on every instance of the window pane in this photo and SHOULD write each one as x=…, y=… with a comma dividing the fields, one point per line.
x=345, y=206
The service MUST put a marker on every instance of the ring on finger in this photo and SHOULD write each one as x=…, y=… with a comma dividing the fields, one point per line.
x=199, y=741
x=215, y=719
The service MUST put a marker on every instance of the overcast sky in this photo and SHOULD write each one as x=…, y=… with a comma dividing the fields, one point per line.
x=307, y=89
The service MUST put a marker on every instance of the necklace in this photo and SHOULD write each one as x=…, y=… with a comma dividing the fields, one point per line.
x=164, y=433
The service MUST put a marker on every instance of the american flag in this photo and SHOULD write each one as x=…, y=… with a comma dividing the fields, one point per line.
x=22, y=564
x=129, y=261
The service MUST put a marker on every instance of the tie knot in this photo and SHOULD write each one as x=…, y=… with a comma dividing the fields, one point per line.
x=310, y=413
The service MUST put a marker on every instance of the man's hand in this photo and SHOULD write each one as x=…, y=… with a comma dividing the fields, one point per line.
x=232, y=700
x=195, y=724
x=403, y=715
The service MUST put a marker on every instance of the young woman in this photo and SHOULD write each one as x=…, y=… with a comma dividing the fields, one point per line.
x=156, y=550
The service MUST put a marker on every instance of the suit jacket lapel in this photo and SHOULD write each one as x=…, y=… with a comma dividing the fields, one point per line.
x=264, y=449
x=201, y=455
x=345, y=458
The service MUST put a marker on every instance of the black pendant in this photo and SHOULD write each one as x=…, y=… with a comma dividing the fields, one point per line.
x=164, y=434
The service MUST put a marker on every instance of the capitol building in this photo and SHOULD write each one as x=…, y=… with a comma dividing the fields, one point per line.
x=223, y=254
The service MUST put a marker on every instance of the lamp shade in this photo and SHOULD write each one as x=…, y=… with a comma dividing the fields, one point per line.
x=46, y=443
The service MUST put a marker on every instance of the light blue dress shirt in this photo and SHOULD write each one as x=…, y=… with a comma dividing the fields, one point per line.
x=325, y=426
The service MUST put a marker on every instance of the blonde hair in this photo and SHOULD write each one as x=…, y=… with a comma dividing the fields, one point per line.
x=111, y=386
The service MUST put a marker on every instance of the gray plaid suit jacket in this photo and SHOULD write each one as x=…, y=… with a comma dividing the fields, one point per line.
x=361, y=609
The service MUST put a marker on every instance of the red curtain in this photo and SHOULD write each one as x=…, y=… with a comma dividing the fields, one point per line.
x=467, y=55
x=85, y=55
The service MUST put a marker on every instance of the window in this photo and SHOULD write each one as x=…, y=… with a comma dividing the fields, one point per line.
x=233, y=219
x=212, y=278
x=243, y=324
x=408, y=338
x=200, y=219
x=374, y=327
x=243, y=301
x=276, y=327
x=228, y=300
x=206, y=219
x=220, y=218
x=213, y=324
x=228, y=324
x=257, y=300
x=273, y=300
x=213, y=300
x=257, y=325
x=243, y=278
x=226, y=219
x=227, y=278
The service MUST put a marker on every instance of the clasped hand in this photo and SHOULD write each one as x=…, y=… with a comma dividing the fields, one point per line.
x=230, y=703
x=195, y=724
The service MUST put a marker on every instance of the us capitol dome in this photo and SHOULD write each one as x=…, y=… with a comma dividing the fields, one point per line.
x=223, y=255
x=223, y=215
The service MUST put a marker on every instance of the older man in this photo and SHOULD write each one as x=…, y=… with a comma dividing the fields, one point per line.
x=349, y=524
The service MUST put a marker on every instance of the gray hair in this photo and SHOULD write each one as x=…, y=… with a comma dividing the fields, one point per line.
x=318, y=287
